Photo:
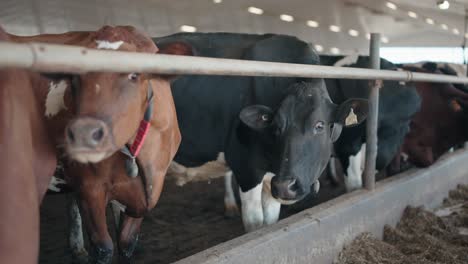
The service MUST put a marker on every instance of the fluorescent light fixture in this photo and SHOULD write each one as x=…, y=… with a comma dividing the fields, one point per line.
x=335, y=28
x=318, y=48
x=456, y=31
x=368, y=36
x=217, y=1
x=287, y=18
x=444, y=5
x=391, y=5
x=466, y=35
x=412, y=14
x=384, y=39
x=187, y=28
x=353, y=32
x=312, y=23
x=335, y=50
x=255, y=10
x=430, y=21
x=444, y=26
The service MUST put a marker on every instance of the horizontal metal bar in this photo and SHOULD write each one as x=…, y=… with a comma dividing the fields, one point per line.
x=61, y=58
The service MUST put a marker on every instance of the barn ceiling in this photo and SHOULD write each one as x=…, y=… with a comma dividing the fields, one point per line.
x=412, y=23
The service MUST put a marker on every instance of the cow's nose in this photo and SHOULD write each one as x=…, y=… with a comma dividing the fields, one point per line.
x=285, y=189
x=85, y=132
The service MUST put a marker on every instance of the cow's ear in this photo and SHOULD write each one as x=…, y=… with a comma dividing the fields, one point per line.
x=335, y=129
x=175, y=48
x=257, y=117
x=352, y=112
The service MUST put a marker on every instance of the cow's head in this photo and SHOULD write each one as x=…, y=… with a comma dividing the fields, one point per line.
x=302, y=131
x=110, y=106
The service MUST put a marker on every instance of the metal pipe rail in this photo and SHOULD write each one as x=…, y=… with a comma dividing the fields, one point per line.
x=62, y=58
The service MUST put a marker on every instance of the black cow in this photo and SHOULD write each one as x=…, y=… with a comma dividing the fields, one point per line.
x=274, y=132
x=397, y=104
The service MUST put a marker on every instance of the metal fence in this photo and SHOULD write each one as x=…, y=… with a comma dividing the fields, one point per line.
x=61, y=58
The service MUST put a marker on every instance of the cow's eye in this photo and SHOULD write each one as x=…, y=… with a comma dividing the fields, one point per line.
x=319, y=127
x=133, y=76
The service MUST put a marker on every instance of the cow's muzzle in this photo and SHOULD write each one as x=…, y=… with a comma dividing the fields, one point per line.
x=88, y=140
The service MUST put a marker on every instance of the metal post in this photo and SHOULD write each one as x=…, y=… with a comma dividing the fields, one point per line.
x=372, y=118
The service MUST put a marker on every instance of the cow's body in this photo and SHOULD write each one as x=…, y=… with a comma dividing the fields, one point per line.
x=69, y=98
x=27, y=160
x=398, y=102
x=208, y=109
x=439, y=125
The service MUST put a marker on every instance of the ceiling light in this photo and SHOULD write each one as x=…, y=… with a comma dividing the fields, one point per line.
x=353, y=33
x=312, y=23
x=287, y=18
x=430, y=21
x=443, y=4
x=412, y=14
x=318, y=48
x=334, y=28
x=456, y=31
x=335, y=50
x=384, y=39
x=444, y=26
x=255, y=10
x=391, y=5
x=217, y=1
x=466, y=35
x=368, y=36
x=187, y=28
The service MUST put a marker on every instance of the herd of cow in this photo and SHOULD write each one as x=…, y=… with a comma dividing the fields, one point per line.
x=117, y=134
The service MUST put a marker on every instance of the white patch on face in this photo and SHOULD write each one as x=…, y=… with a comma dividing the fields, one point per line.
x=271, y=207
x=88, y=157
x=55, y=98
x=405, y=156
x=104, y=44
x=353, y=178
x=54, y=184
x=348, y=60
x=98, y=88
x=118, y=205
x=229, y=198
x=252, y=212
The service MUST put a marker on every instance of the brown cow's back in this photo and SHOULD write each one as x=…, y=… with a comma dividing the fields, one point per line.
x=27, y=161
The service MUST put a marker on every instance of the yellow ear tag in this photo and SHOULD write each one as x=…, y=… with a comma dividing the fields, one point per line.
x=351, y=119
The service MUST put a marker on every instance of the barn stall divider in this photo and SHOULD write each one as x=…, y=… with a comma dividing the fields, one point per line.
x=315, y=235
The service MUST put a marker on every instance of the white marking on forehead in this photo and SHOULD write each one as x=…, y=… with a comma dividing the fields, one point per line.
x=55, y=98
x=98, y=88
x=348, y=60
x=104, y=44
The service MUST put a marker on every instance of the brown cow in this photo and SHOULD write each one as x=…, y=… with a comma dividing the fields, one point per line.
x=27, y=161
x=111, y=111
x=440, y=124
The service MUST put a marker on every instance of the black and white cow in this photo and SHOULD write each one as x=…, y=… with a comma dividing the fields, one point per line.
x=398, y=102
x=277, y=134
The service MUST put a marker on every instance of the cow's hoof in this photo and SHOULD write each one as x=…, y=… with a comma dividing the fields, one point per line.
x=101, y=255
x=126, y=254
x=231, y=211
x=80, y=257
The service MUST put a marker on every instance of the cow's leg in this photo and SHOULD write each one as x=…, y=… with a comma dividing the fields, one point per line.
x=271, y=207
x=252, y=211
x=353, y=179
x=230, y=204
x=93, y=208
x=128, y=237
x=75, y=239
